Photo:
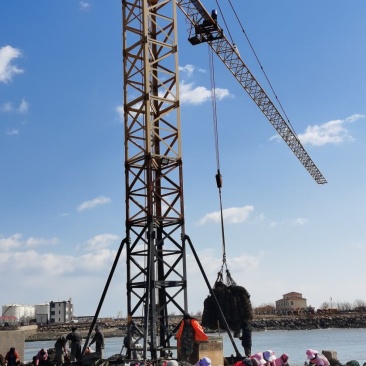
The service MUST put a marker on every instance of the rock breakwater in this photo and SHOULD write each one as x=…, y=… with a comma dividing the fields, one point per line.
x=310, y=322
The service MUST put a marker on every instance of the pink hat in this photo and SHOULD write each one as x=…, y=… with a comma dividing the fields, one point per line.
x=259, y=358
x=269, y=355
x=311, y=353
x=204, y=361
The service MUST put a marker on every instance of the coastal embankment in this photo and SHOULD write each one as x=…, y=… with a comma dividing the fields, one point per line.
x=259, y=323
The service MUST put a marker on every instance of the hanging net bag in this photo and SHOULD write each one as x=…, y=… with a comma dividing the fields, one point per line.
x=234, y=302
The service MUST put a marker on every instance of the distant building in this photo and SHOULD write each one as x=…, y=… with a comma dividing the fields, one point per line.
x=42, y=313
x=23, y=313
x=264, y=310
x=61, y=311
x=52, y=312
x=83, y=319
x=290, y=303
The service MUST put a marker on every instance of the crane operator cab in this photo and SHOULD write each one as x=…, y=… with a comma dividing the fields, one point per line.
x=208, y=30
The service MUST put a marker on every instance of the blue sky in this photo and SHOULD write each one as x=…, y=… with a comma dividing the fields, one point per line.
x=62, y=165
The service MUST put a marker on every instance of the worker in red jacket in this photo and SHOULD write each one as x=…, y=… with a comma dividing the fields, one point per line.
x=189, y=332
x=12, y=357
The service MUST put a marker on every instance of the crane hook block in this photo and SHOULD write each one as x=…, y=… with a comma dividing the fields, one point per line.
x=219, y=180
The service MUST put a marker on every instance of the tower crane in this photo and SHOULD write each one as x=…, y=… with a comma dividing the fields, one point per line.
x=156, y=239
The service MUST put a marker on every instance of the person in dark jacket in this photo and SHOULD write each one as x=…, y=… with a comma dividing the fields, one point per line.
x=75, y=338
x=246, y=337
x=60, y=350
x=98, y=339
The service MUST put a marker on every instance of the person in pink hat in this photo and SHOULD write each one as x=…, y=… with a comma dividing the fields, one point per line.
x=316, y=358
x=257, y=359
x=269, y=357
x=282, y=361
x=204, y=361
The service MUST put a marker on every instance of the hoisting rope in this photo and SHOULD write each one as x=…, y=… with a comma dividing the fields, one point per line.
x=220, y=275
x=223, y=18
x=255, y=55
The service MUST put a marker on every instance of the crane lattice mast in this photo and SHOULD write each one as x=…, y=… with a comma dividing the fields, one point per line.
x=156, y=267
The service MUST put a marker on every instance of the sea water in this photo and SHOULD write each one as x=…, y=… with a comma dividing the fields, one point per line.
x=348, y=343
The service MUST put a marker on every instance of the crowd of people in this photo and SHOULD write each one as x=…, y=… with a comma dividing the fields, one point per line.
x=189, y=333
x=268, y=358
x=62, y=355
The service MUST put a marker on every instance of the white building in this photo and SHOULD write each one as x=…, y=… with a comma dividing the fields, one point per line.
x=42, y=313
x=61, y=311
x=22, y=312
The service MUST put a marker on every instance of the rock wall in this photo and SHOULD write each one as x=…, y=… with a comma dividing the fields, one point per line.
x=310, y=322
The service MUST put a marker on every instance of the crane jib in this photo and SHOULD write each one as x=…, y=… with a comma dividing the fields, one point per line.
x=205, y=29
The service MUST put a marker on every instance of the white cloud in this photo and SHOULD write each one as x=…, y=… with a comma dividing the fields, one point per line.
x=9, y=107
x=332, y=132
x=292, y=222
x=12, y=242
x=18, y=258
x=301, y=221
x=83, y=5
x=188, y=70
x=12, y=132
x=23, y=106
x=87, y=205
x=82, y=277
x=16, y=242
x=102, y=241
x=189, y=94
x=6, y=107
x=120, y=112
x=7, y=69
x=35, y=242
x=48, y=264
x=233, y=215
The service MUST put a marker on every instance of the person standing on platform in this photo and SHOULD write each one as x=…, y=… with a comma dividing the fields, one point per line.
x=75, y=338
x=246, y=337
x=60, y=350
x=98, y=339
x=189, y=332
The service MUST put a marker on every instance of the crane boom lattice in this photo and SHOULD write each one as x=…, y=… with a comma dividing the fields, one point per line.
x=200, y=25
